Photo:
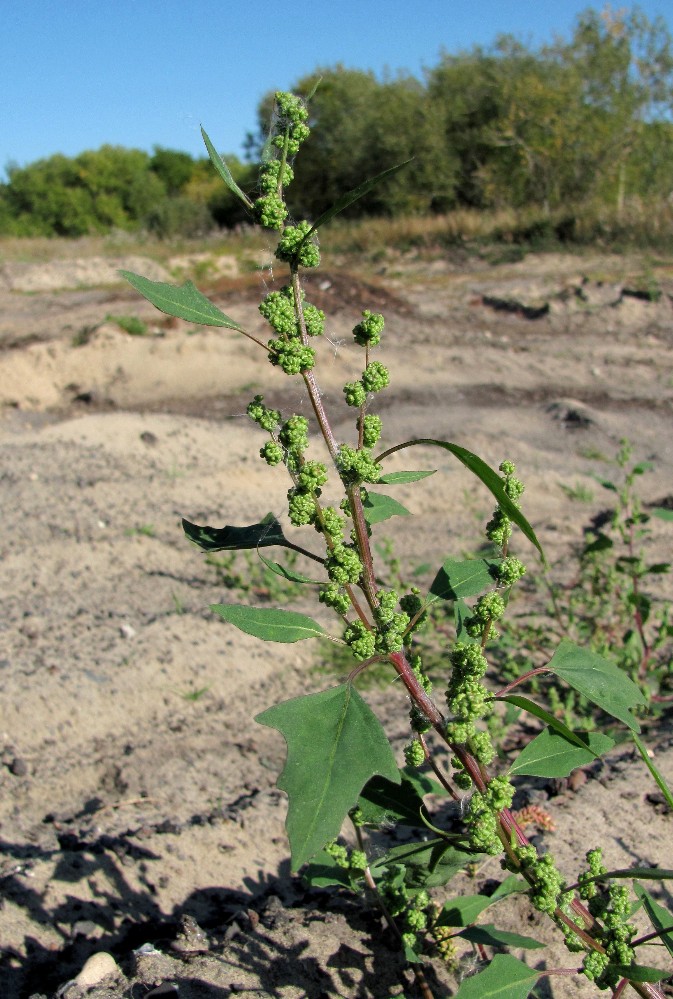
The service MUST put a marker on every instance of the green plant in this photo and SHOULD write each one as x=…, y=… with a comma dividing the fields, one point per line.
x=606, y=600
x=340, y=764
x=132, y=325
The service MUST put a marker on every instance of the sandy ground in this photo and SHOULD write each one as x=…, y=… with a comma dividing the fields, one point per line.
x=138, y=813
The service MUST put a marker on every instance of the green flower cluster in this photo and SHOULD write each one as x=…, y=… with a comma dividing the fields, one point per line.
x=291, y=115
x=391, y=624
x=482, y=815
x=360, y=639
x=292, y=248
x=412, y=604
x=270, y=211
x=405, y=905
x=499, y=528
x=509, y=571
x=294, y=434
x=357, y=465
x=368, y=331
x=375, y=377
x=270, y=179
x=343, y=565
x=267, y=419
x=302, y=496
x=332, y=524
x=488, y=608
x=272, y=453
x=334, y=596
x=414, y=754
x=291, y=355
x=612, y=907
x=355, y=394
x=292, y=128
x=371, y=429
x=353, y=861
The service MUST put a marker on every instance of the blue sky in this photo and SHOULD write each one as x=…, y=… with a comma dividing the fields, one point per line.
x=75, y=74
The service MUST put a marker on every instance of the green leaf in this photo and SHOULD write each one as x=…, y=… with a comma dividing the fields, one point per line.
x=463, y=911
x=224, y=171
x=662, y=513
x=378, y=507
x=640, y=972
x=432, y=863
x=489, y=936
x=346, y=200
x=512, y=885
x=286, y=572
x=660, y=918
x=269, y=624
x=461, y=612
x=221, y=539
x=658, y=776
x=464, y=578
x=525, y=703
x=600, y=681
x=335, y=744
x=601, y=543
x=382, y=801
x=488, y=476
x=324, y=872
x=550, y=754
x=394, y=478
x=505, y=978
x=185, y=302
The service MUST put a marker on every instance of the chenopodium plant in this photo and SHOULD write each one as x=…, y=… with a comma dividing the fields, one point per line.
x=340, y=764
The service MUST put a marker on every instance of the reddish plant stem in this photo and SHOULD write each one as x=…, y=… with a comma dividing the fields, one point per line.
x=520, y=679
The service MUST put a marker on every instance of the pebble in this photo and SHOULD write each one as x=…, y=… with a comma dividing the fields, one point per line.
x=98, y=967
x=18, y=767
x=127, y=631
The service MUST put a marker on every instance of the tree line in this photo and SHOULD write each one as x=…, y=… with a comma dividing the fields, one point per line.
x=588, y=119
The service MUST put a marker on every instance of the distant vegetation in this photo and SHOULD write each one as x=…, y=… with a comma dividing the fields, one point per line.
x=577, y=130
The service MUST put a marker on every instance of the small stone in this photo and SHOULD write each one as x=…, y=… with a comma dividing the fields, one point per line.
x=127, y=631
x=147, y=437
x=18, y=767
x=98, y=967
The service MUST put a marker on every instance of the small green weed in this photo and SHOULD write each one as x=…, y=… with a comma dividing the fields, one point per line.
x=132, y=325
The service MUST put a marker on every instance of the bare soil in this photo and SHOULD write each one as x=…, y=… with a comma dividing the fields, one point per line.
x=138, y=813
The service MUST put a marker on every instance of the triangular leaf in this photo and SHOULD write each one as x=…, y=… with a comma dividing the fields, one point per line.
x=550, y=754
x=223, y=170
x=222, y=539
x=485, y=473
x=489, y=936
x=268, y=624
x=464, y=578
x=505, y=978
x=185, y=302
x=335, y=744
x=660, y=918
x=378, y=507
x=395, y=478
x=600, y=681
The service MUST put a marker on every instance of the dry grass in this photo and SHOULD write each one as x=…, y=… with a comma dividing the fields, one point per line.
x=639, y=225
